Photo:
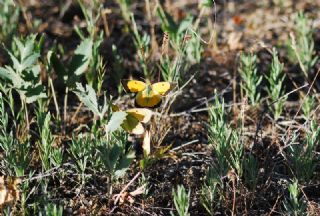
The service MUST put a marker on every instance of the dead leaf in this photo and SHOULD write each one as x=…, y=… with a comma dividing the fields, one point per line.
x=234, y=41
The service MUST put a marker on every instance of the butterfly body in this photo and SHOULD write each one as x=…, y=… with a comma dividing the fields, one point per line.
x=148, y=95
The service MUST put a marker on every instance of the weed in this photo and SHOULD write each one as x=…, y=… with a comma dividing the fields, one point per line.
x=211, y=190
x=49, y=155
x=294, y=205
x=53, y=210
x=302, y=45
x=302, y=156
x=24, y=74
x=228, y=147
x=308, y=105
x=9, y=15
x=95, y=68
x=251, y=171
x=181, y=200
x=114, y=155
x=81, y=151
x=250, y=77
x=275, y=89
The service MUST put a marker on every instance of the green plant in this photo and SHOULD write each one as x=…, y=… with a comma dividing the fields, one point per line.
x=125, y=9
x=24, y=74
x=114, y=155
x=293, y=204
x=142, y=44
x=187, y=46
x=308, y=105
x=228, y=148
x=251, y=171
x=53, y=210
x=81, y=150
x=301, y=48
x=176, y=31
x=49, y=155
x=250, y=77
x=211, y=190
x=71, y=74
x=302, y=155
x=174, y=68
x=275, y=89
x=91, y=14
x=89, y=98
x=9, y=15
x=181, y=200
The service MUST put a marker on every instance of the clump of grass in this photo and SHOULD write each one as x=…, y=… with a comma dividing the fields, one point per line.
x=53, y=210
x=250, y=77
x=275, y=88
x=301, y=48
x=9, y=16
x=81, y=151
x=50, y=156
x=302, y=155
x=181, y=200
x=228, y=147
x=211, y=190
x=294, y=204
x=308, y=106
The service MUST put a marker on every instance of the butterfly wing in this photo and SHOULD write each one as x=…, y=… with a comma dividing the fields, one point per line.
x=133, y=85
x=132, y=125
x=162, y=87
x=145, y=99
x=142, y=114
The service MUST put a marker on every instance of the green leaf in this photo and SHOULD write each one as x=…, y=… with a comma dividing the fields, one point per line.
x=116, y=120
x=82, y=57
x=30, y=60
x=89, y=98
x=57, y=65
x=9, y=74
x=34, y=93
x=124, y=164
x=185, y=24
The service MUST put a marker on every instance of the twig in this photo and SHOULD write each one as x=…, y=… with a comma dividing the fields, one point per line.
x=76, y=112
x=183, y=145
x=274, y=206
x=126, y=187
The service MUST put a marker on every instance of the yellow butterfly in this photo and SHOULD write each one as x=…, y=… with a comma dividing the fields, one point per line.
x=148, y=95
x=134, y=119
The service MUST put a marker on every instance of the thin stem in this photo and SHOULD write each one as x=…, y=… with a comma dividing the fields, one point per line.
x=65, y=108
x=54, y=98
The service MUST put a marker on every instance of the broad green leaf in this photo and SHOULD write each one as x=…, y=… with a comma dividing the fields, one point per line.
x=30, y=60
x=34, y=93
x=89, y=98
x=82, y=57
x=16, y=64
x=124, y=164
x=116, y=120
x=9, y=74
